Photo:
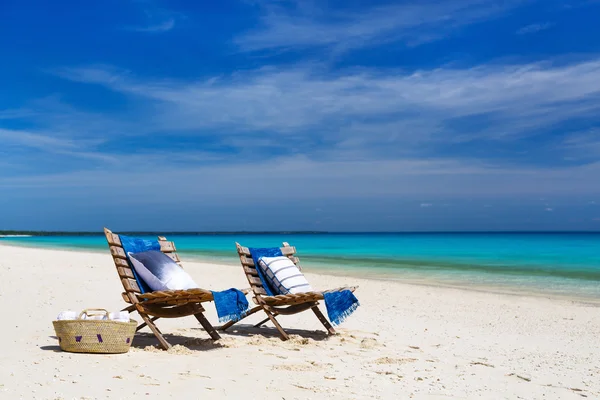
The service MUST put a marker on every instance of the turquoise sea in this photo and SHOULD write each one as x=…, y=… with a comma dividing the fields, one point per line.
x=547, y=263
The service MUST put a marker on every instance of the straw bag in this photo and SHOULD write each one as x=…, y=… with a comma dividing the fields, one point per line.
x=94, y=336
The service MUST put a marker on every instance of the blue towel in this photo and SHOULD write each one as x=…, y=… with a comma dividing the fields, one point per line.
x=339, y=304
x=231, y=304
x=137, y=245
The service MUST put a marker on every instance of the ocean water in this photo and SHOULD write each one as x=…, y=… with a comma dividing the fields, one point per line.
x=566, y=264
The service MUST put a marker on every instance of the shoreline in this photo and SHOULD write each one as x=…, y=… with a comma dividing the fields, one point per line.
x=332, y=272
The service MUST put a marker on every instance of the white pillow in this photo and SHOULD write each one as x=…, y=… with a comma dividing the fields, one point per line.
x=283, y=275
x=160, y=272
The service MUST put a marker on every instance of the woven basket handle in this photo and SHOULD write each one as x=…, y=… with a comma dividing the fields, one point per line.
x=87, y=312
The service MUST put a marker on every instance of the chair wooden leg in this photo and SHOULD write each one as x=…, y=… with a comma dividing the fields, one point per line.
x=261, y=322
x=232, y=322
x=207, y=326
x=131, y=308
x=282, y=333
x=323, y=320
x=149, y=322
x=142, y=326
x=275, y=314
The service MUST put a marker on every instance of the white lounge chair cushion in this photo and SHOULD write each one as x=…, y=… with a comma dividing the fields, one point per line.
x=160, y=272
x=283, y=275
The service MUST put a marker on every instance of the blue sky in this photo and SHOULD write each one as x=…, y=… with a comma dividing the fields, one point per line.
x=308, y=115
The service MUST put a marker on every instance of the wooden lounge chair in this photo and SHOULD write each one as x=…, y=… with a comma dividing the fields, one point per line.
x=286, y=304
x=160, y=304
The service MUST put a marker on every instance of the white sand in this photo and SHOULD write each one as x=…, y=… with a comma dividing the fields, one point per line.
x=405, y=341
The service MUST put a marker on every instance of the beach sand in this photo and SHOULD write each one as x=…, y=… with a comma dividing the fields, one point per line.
x=405, y=341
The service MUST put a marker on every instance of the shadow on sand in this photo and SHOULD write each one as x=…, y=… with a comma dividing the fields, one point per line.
x=270, y=332
x=143, y=340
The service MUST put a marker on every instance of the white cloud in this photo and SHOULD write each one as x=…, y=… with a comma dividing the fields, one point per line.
x=49, y=143
x=355, y=106
x=534, y=28
x=28, y=139
x=425, y=205
x=309, y=24
x=14, y=114
x=156, y=20
x=316, y=126
x=583, y=145
x=137, y=177
x=163, y=26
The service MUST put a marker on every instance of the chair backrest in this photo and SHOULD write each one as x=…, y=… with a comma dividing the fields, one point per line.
x=250, y=269
x=124, y=269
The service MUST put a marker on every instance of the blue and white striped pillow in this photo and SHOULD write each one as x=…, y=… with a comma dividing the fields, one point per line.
x=283, y=275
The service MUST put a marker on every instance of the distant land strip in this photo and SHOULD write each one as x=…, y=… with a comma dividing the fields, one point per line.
x=163, y=233
x=190, y=233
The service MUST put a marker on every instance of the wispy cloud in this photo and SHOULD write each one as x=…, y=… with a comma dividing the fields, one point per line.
x=48, y=143
x=312, y=179
x=534, y=28
x=15, y=114
x=28, y=139
x=583, y=145
x=375, y=107
x=386, y=126
x=163, y=26
x=52, y=116
x=289, y=25
x=156, y=20
x=96, y=167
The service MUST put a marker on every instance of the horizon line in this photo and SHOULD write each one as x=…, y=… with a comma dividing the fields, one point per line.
x=286, y=232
